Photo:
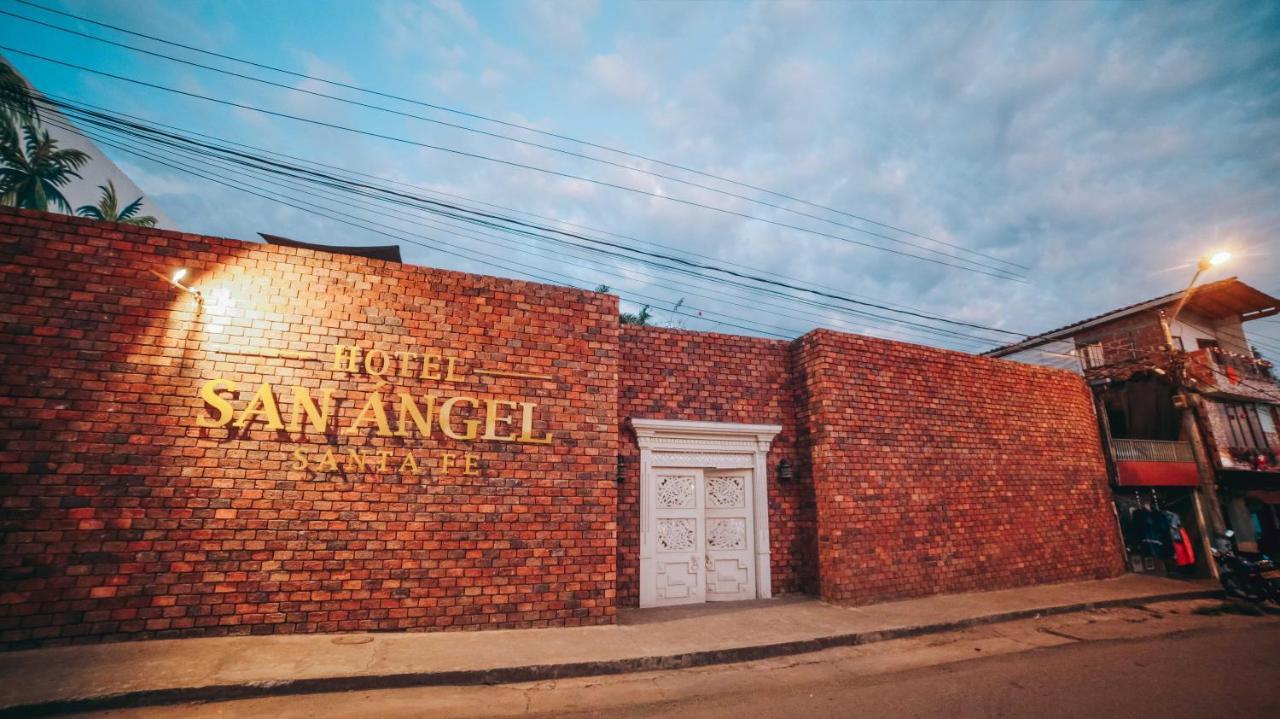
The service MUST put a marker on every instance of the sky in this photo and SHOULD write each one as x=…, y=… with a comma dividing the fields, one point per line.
x=1102, y=146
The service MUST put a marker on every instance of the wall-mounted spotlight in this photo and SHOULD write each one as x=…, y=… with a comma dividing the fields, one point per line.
x=784, y=471
x=176, y=280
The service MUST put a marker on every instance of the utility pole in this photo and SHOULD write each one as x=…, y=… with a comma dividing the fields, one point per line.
x=1206, y=494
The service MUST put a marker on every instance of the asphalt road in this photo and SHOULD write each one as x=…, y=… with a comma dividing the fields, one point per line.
x=1164, y=662
x=1232, y=673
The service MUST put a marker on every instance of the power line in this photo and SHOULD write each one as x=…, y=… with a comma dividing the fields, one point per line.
x=396, y=234
x=462, y=113
x=511, y=163
x=500, y=136
x=205, y=173
x=129, y=148
x=490, y=220
x=80, y=104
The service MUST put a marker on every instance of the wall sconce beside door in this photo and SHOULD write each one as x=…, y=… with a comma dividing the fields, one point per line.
x=785, y=472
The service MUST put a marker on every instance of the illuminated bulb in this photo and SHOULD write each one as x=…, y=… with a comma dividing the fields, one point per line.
x=177, y=276
x=1219, y=258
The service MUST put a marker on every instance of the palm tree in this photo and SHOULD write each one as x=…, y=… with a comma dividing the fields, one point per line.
x=640, y=318
x=627, y=318
x=32, y=171
x=108, y=209
x=16, y=105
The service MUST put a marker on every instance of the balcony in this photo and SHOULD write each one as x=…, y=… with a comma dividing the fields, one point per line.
x=1230, y=372
x=1153, y=463
x=1150, y=450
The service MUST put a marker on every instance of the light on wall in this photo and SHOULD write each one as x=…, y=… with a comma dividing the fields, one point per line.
x=176, y=280
x=784, y=471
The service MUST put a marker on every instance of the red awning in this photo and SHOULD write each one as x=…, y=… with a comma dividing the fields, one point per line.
x=1157, y=474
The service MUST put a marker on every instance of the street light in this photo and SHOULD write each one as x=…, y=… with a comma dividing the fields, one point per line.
x=1205, y=264
x=1190, y=428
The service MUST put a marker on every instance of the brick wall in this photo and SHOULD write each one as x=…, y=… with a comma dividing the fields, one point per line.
x=122, y=518
x=917, y=470
x=1128, y=339
x=683, y=375
x=936, y=471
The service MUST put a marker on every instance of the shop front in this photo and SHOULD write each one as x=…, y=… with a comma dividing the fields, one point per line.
x=1251, y=505
x=1155, y=475
x=207, y=437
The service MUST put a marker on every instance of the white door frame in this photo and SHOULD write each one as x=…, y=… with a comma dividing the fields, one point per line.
x=705, y=445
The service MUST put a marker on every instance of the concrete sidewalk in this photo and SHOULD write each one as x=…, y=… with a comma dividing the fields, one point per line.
x=62, y=679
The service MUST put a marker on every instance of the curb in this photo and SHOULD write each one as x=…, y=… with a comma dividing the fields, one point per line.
x=539, y=672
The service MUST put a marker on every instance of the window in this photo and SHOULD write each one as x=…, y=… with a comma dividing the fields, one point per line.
x=1092, y=355
x=1243, y=427
x=1266, y=418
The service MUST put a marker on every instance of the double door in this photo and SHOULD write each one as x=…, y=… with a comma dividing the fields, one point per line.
x=703, y=535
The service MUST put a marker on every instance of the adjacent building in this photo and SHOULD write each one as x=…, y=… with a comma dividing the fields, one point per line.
x=1189, y=412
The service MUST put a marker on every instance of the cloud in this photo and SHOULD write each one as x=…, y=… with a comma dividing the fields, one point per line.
x=620, y=78
x=412, y=28
x=1096, y=144
x=453, y=10
x=561, y=24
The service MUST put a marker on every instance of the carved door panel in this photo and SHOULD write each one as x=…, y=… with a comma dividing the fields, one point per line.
x=730, y=555
x=679, y=531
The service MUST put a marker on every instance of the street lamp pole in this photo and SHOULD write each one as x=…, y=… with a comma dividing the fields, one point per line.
x=1205, y=264
x=1205, y=494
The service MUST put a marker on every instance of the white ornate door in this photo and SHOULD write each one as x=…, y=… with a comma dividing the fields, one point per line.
x=730, y=559
x=704, y=522
x=679, y=531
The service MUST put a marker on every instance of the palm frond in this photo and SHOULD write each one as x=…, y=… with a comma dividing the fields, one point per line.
x=131, y=209
x=16, y=104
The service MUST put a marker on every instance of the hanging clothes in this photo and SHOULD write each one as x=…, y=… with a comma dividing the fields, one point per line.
x=1183, y=554
x=1175, y=527
x=1153, y=532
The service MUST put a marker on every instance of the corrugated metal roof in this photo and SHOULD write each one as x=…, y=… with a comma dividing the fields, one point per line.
x=1224, y=298
x=390, y=253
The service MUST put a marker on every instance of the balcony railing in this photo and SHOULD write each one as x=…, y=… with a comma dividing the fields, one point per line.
x=1150, y=450
x=1225, y=370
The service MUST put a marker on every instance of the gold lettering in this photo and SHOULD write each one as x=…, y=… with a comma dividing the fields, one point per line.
x=469, y=462
x=300, y=458
x=409, y=463
x=491, y=420
x=263, y=404
x=452, y=375
x=446, y=416
x=446, y=461
x=409, y=410
x=431, y=365
x=356, y=463
x=209, y=393
x=303, y=406
x=406, y=362
x=383, y=456
x=329, y=463
x=382, y=362
x=526, y=426
x=349, y=353
x=372, y=407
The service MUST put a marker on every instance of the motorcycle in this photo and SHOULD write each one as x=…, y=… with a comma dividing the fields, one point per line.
x=1254, y=580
